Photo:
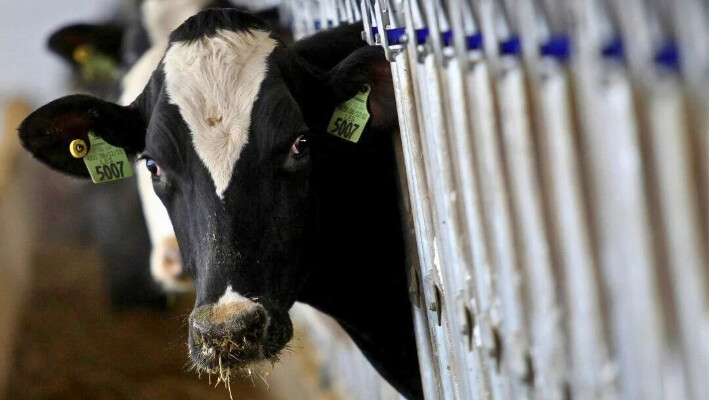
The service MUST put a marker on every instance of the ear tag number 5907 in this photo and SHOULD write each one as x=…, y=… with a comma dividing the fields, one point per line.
x=106, y=163
x=350, y=117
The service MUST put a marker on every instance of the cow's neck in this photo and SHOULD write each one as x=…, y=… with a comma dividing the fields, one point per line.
x=359, y=274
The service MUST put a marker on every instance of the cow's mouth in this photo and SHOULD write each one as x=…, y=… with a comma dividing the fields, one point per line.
x=233, y=344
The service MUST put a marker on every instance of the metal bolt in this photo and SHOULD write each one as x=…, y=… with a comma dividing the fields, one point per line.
x=467, y=323
x=529, y=375
x=436, y=304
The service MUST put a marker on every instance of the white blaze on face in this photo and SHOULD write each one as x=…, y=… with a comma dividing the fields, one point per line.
x=214, y=81
x=134, y=81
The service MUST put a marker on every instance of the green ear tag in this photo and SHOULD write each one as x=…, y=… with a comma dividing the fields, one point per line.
x=350, y=117
x=106, y=163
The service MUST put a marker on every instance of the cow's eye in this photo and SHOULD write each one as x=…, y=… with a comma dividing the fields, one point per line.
x=153, y=167
x=299, y=146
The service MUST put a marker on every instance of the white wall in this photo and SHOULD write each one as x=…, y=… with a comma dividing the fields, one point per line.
x=26, y=66
x=29, y=71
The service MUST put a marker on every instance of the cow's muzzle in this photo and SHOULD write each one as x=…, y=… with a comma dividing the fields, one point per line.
x=233, y=335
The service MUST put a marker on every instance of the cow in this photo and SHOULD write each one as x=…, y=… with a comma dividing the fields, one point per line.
x=135, y=44
x=268, y=205
x=160, y=17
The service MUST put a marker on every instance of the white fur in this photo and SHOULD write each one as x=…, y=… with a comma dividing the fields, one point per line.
x=159, y=224
x=138, y=76
x=230, y=296
x=214, y=82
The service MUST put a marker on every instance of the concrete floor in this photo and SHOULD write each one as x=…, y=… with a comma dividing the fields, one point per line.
x=68, y=342
x=72, y=346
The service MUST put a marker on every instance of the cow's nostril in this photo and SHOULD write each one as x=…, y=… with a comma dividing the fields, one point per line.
x=250, y=338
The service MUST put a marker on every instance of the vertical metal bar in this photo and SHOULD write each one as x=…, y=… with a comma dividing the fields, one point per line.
x=546, y=339
x=481, y=122
x=368, y=22
x=456, y=259
x=691, y=31
x=615, y=174
x=676, y=214
x=433, y=275
x=296, y=12
x=508, y=275
x=430, y=343
x=428, y=358
x=478, y=293
x=566, y=214
x=309, y=17
x=467, y=80
x=457, y=273
x=427, y=323
x=587, y=31
x=680, y=220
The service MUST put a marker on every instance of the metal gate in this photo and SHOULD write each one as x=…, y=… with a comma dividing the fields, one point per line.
x=556, y=161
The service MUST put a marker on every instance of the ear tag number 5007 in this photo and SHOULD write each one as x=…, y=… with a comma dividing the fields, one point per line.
x=350, y=117
x=106, y=163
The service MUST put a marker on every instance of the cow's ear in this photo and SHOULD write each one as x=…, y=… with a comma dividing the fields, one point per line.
x=48, y=132
x=88, y=47
x=366, y=65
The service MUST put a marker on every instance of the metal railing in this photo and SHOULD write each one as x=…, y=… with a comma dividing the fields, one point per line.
x=556, y=156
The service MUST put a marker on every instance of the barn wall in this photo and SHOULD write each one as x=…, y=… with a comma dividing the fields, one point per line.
x=28, y=70
x=15, y=233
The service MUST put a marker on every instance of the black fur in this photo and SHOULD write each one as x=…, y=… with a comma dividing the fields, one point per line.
x=206, y=24
x=106, y=39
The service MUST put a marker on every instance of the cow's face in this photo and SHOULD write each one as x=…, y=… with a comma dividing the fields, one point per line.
x=237, y=193
x=229, y=127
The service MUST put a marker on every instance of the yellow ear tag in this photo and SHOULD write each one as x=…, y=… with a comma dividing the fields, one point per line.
x=350, y=117
x=77, y=148
x=106, y=163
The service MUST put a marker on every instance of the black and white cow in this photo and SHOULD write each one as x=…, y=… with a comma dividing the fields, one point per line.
x=268, y=207
x=134, y=42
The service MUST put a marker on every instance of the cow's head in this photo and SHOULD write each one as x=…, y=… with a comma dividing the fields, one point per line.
x=232, y=126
